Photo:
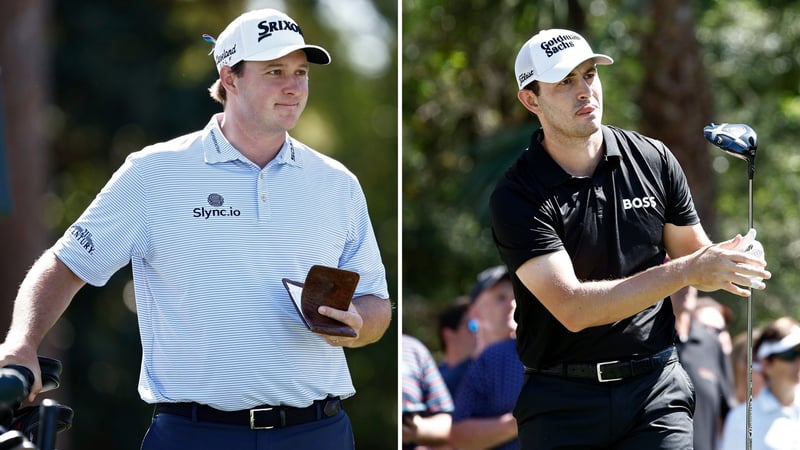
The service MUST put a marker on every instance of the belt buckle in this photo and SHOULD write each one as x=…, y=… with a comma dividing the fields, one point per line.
x=253, y=419
x=600, y=372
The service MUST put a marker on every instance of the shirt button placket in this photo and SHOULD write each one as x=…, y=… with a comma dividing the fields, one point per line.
x=599, y=200
x=263, y=204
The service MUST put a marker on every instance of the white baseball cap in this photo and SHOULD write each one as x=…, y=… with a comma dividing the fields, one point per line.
x=550, y=55
x=262, y=35
x=790, y=341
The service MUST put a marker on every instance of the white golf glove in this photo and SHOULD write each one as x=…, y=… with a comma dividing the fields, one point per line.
x=752, y=247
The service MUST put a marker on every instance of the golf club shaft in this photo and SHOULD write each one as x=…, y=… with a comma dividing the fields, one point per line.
x=749, y=415
x=740, y=140
x=749, y=419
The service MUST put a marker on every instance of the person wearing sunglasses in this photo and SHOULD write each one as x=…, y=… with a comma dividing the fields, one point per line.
x=776, y=409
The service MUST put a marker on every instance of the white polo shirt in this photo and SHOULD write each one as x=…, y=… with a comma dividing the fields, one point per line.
x=210, y=236
x=775, y=426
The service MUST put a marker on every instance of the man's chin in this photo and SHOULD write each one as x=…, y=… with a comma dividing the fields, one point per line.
x=592, y=127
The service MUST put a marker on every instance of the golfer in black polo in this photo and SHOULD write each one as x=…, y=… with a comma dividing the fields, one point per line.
x=584, y=221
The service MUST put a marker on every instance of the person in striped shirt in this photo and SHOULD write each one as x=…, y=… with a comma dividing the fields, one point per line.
x=427, y=403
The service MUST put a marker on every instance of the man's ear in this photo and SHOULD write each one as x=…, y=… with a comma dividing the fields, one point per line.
x=228, y=79
x=447, y=333
x=529, y=100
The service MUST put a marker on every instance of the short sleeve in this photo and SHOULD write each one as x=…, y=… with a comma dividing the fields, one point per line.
x=110, y=231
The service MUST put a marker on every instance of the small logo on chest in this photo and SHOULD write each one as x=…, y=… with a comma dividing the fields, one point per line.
x=216, y=202
x=638, y=202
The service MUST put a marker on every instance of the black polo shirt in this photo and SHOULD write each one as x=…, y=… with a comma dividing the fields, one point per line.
x=611, y=224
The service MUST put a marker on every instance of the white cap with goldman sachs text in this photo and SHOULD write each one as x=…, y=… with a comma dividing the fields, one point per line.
x=551, y=55
x=263, y=35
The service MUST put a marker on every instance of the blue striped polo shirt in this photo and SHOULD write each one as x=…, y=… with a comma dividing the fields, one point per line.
x=210, y=235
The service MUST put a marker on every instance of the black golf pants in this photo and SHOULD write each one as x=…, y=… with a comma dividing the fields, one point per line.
x=652, y=411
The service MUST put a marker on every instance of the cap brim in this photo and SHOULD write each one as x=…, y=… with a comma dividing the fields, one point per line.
x=314, y=53
x=492, y=277
x=561, y=70
x=789, y=342
x=793, y=342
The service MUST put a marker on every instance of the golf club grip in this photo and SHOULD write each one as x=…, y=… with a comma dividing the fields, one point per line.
x=46, y=435
x=15, y=385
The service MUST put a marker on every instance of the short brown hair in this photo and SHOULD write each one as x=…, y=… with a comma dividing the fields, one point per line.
x=533, y=86
x=775, y=331
x=217, y=90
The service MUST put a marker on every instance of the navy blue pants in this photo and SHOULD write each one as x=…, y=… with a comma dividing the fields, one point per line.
x=171, y=432
x=652, y=411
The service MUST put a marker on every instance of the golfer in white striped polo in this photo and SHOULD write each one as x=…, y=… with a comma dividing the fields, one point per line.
x=212, y=222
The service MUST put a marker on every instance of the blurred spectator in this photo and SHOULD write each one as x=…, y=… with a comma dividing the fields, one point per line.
x=739, y=364
x=493, y=307
x=458, y=340
x=701, y=354
x=716, y=317
x=486, y=396
x=427, y=405
x=485, y=399
x=776, y=409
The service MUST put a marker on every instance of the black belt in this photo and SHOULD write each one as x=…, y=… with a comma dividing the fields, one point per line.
x=260, y=418
x=610, y=370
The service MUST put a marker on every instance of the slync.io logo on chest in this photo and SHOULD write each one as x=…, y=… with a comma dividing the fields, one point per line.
x=216, y=203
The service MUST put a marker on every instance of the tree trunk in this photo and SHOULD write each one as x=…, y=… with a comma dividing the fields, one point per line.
x=25, y=69
x=675, y=99
x=25, y=73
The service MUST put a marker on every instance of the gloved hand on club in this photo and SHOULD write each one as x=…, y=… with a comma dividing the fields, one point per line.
x=752, y=247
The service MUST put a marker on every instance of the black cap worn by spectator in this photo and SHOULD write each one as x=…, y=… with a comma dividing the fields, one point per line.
x=487, y=279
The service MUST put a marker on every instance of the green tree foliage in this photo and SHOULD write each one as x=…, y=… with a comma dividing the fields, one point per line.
x=128, y=74
x=753, y=52
x=462, y=126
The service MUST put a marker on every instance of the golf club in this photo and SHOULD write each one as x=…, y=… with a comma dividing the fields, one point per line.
x=739, y=140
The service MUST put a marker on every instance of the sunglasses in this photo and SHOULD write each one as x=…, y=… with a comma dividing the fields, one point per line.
x=788, y=355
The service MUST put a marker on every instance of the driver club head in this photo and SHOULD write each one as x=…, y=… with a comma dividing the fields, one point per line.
x=737, y=139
